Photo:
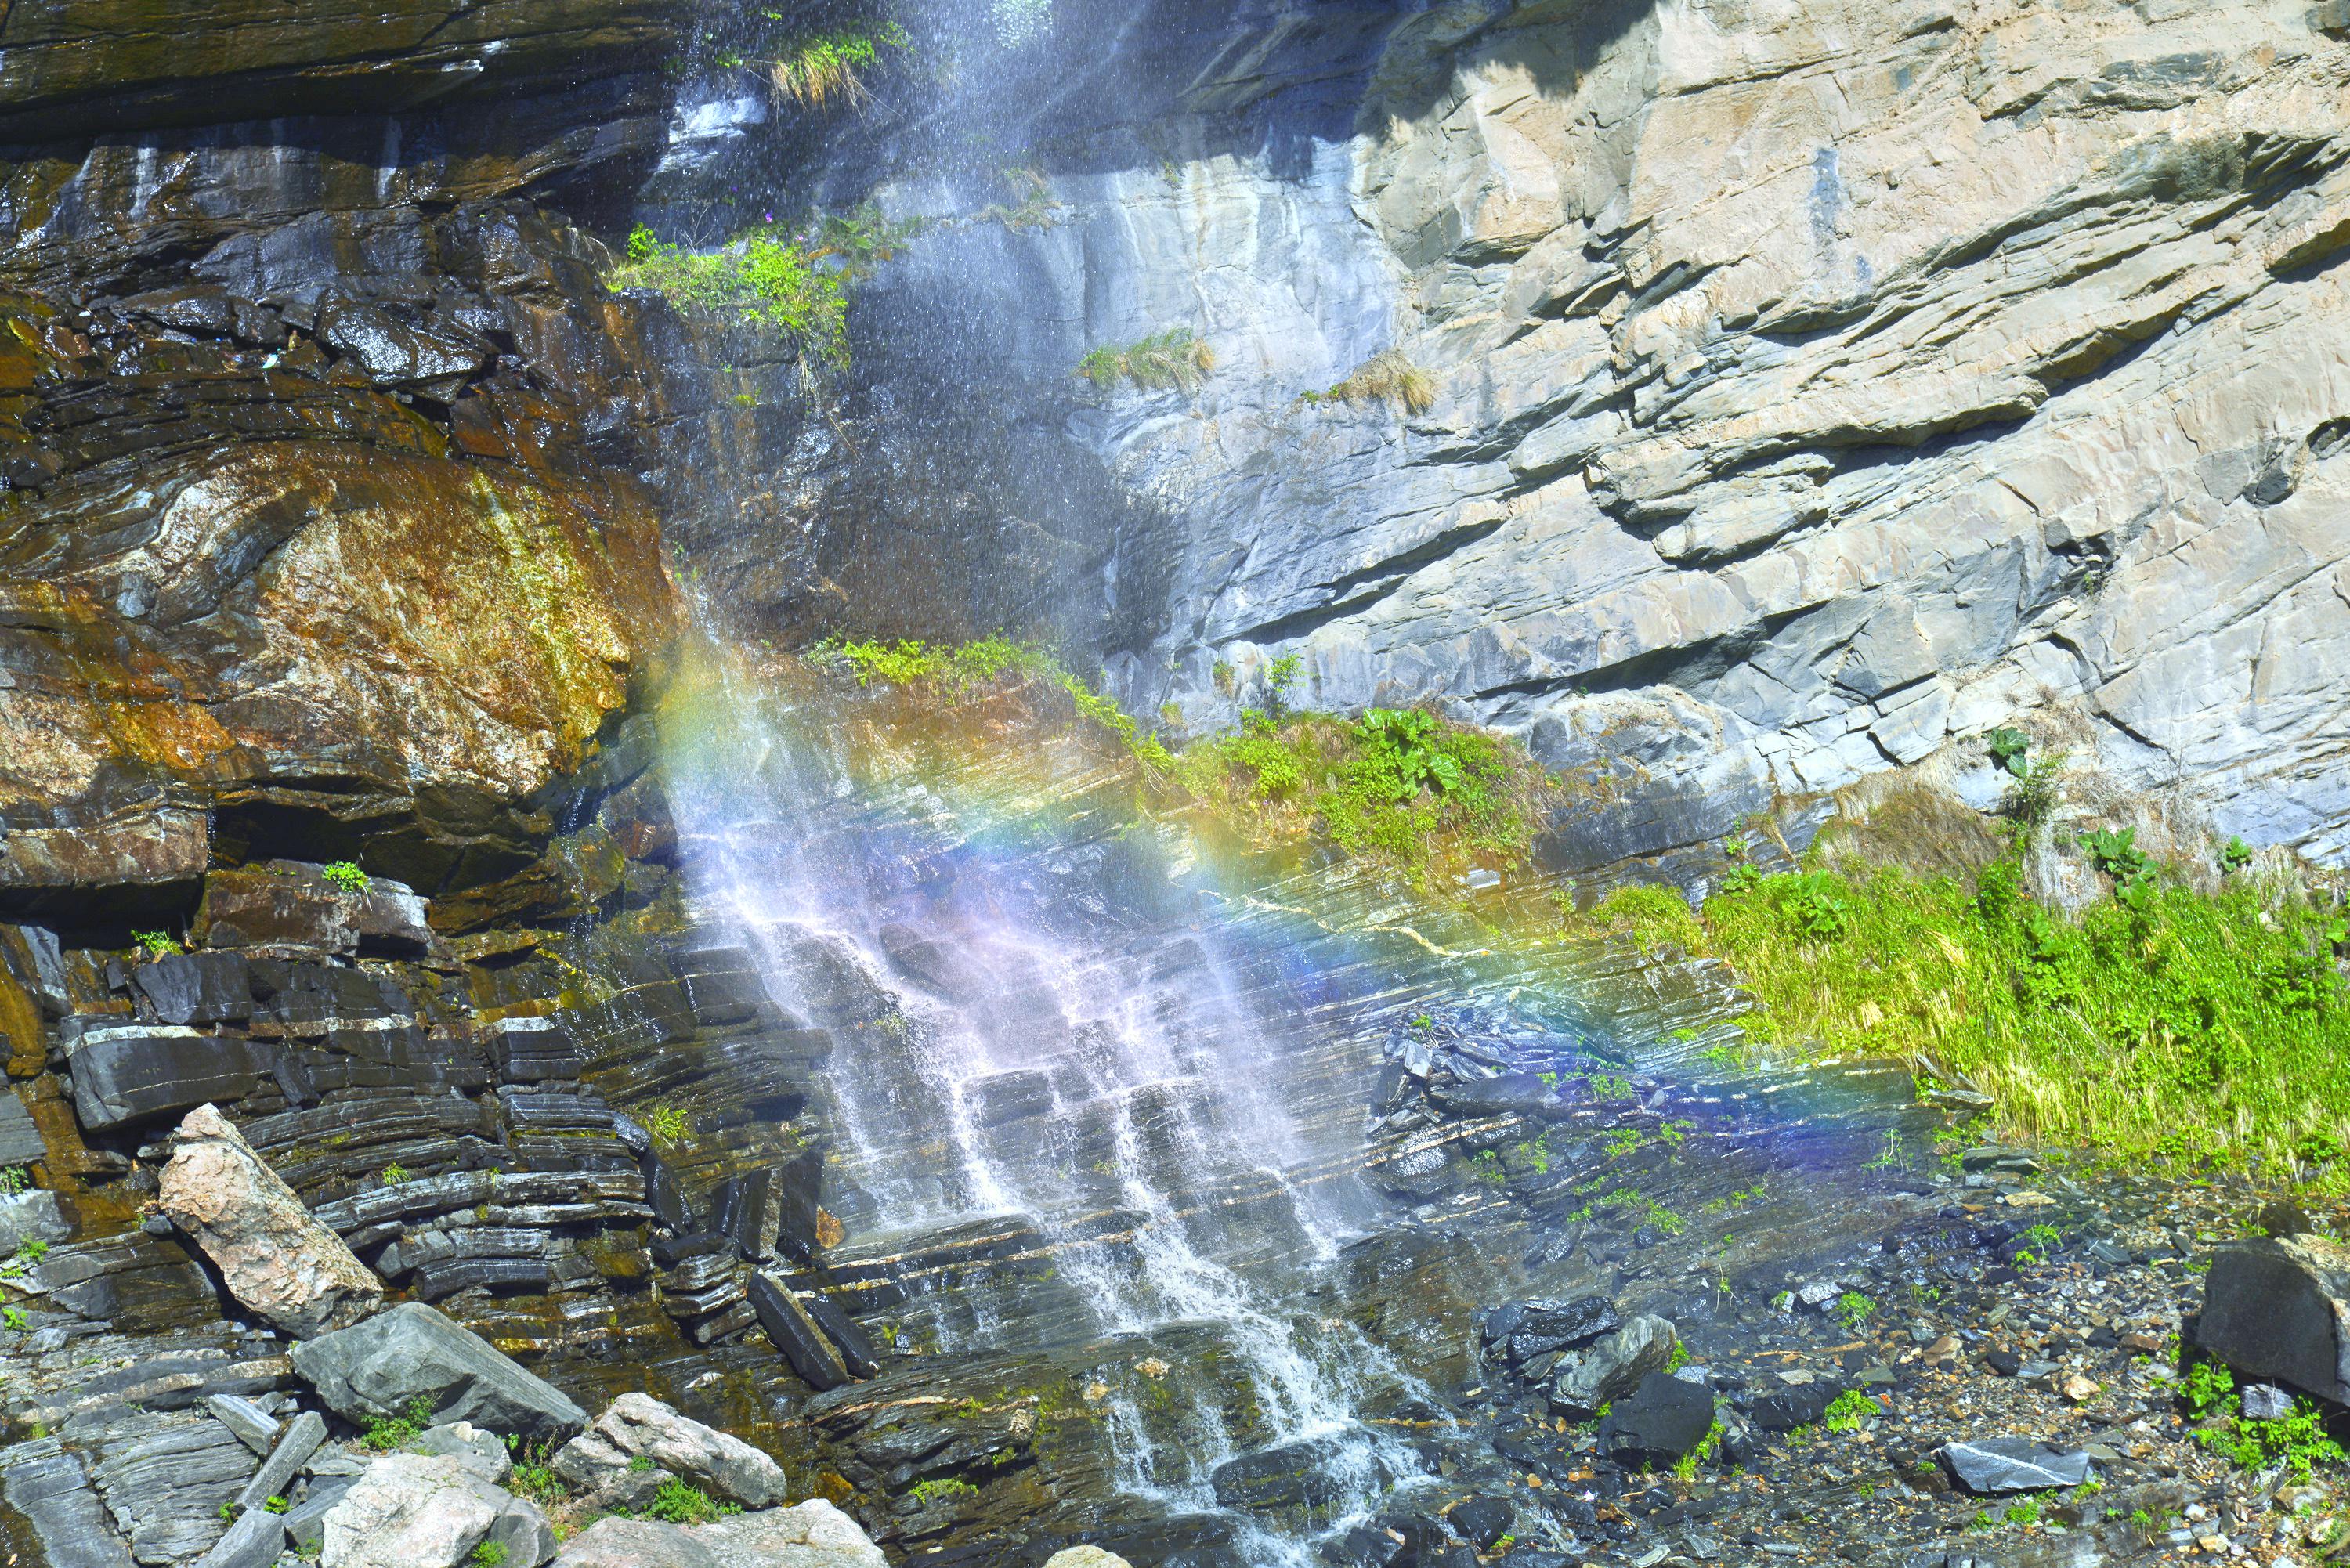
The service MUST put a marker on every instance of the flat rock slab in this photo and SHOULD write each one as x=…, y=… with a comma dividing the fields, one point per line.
x=427, y=1510
x=51, y=1489
x=278, y=1261
x=415, y=1351
x=2001, y=1467
x=812, y=1535
x=1660, y=1421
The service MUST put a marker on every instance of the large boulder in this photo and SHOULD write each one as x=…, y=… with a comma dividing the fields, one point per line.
x=1612, y=1366
x=415, y=1352
x=429, y=1510
x=812, y=1535
x=1085, y=1557
x=639, y=1426
x=2280, y=1309
x=277, y=1260
x=1662, y=1419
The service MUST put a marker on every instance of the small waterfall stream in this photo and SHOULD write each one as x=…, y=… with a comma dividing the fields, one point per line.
x=1004, y=1056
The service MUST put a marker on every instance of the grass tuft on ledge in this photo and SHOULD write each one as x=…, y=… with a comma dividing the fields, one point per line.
x=827, y=69
x=1385, y=378
x=1176, y=359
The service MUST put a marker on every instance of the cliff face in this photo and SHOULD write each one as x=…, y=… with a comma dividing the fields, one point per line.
x=321, y=532
x=1812, y=385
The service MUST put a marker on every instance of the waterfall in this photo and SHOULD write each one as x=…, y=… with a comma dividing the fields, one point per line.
x=1009, y=1052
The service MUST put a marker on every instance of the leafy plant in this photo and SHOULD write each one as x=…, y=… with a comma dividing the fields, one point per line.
x=2024, y=1513
x=392, y=1175
x=2299, y=1439
x=1176, y=360
x=2033, y=799
x=761, y=278
x=681, y=1502
x=15, y=1179
x=2115, y=852
x=667, y=1123
x=276, y=1505
x=537, y=1481
x=1848, y=1411
x=1851, y=1309
x=159, y=944
x=346, y=875
x=2235, y=855
x=489, y=1555
x=926, y=1493
x=13, y=1317
x=386, y=1433
x=2007, y=749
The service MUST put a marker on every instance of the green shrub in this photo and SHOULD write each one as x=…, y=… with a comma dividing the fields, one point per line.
x=394, y=1174
x=2298, y=1440
x=159, y=944
x=489, y=1555
x=1176, y=359
x=925, y=1492
x=762, y=279
x=346, y=875
x=2007, y=749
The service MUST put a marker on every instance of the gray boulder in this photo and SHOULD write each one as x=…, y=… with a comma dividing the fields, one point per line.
x=813, y=1535
x=430, y=1511
x=1612, y=1366
x=30, y=1216
x=1085, y=1557
x=252, y=1541
x=2001, y=1467
x=1661, y=1420
x=482, y=1452
x=2279, y=1309
x=415, y=1352
x=639, y=1426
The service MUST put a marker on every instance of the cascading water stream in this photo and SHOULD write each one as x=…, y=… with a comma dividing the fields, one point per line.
x=954, y=991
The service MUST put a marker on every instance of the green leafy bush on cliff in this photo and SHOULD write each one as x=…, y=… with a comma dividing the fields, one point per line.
x=2163, y=1021
x=762, y=279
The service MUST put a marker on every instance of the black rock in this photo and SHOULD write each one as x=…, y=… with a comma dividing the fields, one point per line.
x=1512, y=1094
x=667, y=1196
x=854, y=1348
x=197, y=988
x=2275, y=1309
x=131, y=1073
x=2001, y=1467
x=795, y=1332
x=1663, y=1419
x=1484, y=1519
x=1297, y=1475
x=2006, y=1363
x=1784, y=1409
x=1574, y=1323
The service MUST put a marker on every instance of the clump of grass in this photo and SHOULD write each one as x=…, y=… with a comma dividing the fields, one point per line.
x=951, y=671
x=2161, y=1022
x=827, y=69
x=762, y=279
x=1176, y=359
x=1032, y=202
x=1385, y=378
x=862, y=239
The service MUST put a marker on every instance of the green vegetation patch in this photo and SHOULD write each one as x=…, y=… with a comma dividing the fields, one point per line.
x=827, y=69
x=1387, y=378
x=1176, y=359
x=763, y=278
x=2161, y=1020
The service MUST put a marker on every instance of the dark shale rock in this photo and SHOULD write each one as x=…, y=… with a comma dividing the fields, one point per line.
x=1485, y=1521
x=20, y=1141
x=1510, y=1093
x=2280, y=1309
x=1784, y=1409
x=1660, y=1421
x=2000, y=1466
x=130, y=1073
x=796, y=1333
x=164, y=1481
x=197, y=988
x=255, y=1541
x=1301, y=1475
x=412, y=1351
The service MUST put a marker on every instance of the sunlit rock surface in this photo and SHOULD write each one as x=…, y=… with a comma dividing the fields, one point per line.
x=1812, y=384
